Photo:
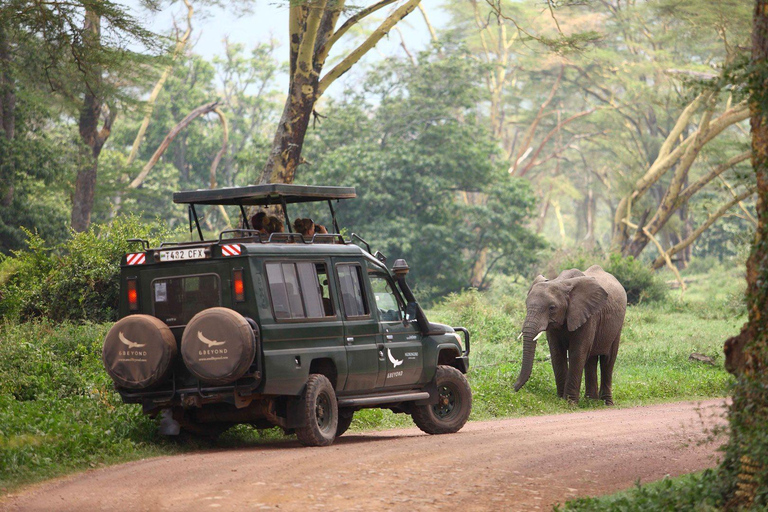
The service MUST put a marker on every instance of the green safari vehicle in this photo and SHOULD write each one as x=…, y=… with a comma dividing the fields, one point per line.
x=279, y=330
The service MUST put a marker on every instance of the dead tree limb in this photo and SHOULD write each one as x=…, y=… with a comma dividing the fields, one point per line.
x=199, y=111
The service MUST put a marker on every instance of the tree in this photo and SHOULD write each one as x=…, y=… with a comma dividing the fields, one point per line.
x=745, y=467
x=313, y=33
x=414, y=146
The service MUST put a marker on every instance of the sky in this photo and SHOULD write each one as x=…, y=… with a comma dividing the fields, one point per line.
x=269, y=20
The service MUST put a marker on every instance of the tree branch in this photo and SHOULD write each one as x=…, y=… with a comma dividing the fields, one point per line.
x=199, y=111
x=350, y=60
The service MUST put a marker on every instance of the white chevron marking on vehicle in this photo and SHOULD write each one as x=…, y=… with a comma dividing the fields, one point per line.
x=395, y=362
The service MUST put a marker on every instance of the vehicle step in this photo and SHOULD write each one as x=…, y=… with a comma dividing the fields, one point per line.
x=382, y=399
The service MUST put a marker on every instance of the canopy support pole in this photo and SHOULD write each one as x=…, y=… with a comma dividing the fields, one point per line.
x=245, y=218
x=285, y=214
x=333, y=217
x=197, y=221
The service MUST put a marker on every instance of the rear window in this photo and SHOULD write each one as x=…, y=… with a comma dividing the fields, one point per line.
x=177, y=299
x=299, y=290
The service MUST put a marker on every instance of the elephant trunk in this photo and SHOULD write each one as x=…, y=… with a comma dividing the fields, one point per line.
x=531, y=330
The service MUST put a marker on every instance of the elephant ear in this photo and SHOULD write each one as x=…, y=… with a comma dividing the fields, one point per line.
x=539, y=279
x=586, y=298
x=570, y=273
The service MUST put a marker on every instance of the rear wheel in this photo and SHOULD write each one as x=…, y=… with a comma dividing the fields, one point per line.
x=454, y=404
x=320, y=413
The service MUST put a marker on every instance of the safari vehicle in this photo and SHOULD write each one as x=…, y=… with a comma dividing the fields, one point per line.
x=279, y=330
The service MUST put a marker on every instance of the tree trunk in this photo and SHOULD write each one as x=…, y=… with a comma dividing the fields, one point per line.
x=285, y=155
x=745, y=466
x=91, y=113
x=7, y=110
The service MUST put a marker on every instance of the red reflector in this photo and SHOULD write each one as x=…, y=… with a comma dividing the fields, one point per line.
x=133, y=295
x=238, y=285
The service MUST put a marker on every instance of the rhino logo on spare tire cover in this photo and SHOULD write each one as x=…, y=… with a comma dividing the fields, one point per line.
x=218, y=346
x=138, y=351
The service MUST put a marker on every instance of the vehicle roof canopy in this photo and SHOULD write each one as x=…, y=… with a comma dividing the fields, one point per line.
x=264, y=195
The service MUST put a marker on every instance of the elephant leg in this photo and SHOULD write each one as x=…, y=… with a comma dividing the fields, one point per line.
x=579, y=346
x=606, y=373
x=559, y=358
x=590, y=378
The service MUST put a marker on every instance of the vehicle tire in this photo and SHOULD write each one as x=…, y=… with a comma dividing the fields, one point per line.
x=345, y=420
x=320, y=413
x=218, y=346
x=453, y=407
x=138, y=351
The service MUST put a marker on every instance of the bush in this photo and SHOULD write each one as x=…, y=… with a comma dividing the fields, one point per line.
x=699, y=492
x=640, y=281
x=76, y=280
x=58, y=409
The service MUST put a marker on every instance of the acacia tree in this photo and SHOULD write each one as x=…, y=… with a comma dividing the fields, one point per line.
x=745, y=466
x=313, y=33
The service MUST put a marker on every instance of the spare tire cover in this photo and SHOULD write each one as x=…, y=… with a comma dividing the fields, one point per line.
x=138, y=351
x=218, y=345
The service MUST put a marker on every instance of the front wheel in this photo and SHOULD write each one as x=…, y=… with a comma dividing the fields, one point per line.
x=454, y=404
x=320, y=413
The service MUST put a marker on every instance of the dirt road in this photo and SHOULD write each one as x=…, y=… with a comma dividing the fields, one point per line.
x=513, y=464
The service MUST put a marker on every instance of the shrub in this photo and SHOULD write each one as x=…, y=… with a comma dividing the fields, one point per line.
x=640, y=282
x=57, y=406
x=76, y=280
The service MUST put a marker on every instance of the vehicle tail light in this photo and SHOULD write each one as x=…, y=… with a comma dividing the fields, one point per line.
x=133, y=294
x=238, y=285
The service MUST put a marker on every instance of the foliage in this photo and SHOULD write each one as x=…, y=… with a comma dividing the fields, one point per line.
x=423, y=164
x=76, y=280
x=639, y=281
x=698, y=492
x=57, y=407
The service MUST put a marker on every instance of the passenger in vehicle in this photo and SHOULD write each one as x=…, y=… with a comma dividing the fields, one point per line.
x=307, y=227
x=273, y=225
x=257, y=221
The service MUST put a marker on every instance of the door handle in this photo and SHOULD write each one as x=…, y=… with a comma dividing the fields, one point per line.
x=350, y=340
x=390, y=337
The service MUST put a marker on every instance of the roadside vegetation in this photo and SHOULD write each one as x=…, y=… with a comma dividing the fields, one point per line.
x=58, y=412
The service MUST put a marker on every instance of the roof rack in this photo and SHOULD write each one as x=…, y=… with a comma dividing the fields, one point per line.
x=256, y=236
x=262, y=195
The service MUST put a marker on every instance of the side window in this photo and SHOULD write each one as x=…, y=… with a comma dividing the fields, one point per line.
x=351, y=285
x=386, y=299
x=296, y=290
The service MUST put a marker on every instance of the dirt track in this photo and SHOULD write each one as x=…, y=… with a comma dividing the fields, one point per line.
x=513, y=464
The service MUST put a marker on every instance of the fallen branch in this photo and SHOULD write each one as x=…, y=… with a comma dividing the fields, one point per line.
x=199, y=111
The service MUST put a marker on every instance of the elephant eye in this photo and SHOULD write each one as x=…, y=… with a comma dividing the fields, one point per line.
x=552, y=307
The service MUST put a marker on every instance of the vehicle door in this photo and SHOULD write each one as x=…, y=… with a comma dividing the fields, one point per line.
x=402, y=339
x=366, y=363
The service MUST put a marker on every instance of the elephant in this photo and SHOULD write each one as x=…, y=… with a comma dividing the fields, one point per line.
x=582, y=314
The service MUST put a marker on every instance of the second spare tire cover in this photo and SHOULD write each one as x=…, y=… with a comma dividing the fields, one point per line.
x=218, y=345
x=138, y=351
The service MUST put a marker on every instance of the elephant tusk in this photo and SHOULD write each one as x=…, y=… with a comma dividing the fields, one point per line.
x=520, y=335
x=538, y=335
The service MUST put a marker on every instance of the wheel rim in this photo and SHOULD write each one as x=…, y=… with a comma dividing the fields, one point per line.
x=323, y=412
x=447, y=403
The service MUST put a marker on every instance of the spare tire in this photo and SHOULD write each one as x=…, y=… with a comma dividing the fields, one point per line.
x=218, y=346
x=138, y=351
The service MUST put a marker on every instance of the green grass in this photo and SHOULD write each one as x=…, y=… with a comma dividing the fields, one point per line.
x=696, y=492
x=58, y=412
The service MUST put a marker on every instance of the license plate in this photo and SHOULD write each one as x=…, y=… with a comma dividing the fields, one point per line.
x=183, y=254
